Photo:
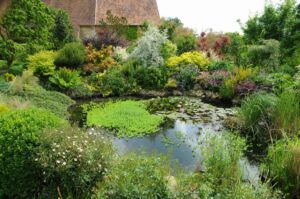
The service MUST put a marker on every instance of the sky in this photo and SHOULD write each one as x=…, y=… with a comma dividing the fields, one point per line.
x=218, y=15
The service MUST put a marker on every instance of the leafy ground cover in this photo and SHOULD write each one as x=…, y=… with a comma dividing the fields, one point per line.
x=127, y=118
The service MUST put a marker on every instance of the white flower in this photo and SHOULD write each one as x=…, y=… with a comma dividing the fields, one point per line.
x=57, y=161
x=75, y=159
x=64, y=163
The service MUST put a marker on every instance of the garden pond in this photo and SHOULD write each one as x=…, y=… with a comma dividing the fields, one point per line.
x=185, y=129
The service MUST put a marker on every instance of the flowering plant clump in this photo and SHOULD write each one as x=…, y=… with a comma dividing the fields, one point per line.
x=245, y=87
x=212, y=80
x=73, y=160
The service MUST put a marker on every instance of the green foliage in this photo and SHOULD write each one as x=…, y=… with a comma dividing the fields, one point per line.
x=73, y=161
x=62, y=31
x=137, y=177
x=4, y=108
x=18, y=140
x=72, y=55
x=52, y=101
x=236, y=49
x=265, y=55
x=114, y=82
x=280, y=22
x=220, y=65
x=66, y=79
x=279, y=81
x=185, y=39
x=170, y=25
x=29, y=21
x=223, y=176
x=17, y=67
x=132, y=33
x=168, y=50
x=152, y=77
x=127, y=118
x=257, y=115
x=189, y=58
x=42, y=63
x=287, y=113
x=282, y=166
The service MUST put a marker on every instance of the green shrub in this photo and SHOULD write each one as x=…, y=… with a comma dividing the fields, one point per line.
x=127, y=118
x=152, y=77
x=220, y=65
x=282, y=166
x=17, y=67
x=279, y=81
x=4, y=108
x=73, y=161
x=54, y=102
x=42, y=63
x=19, y=175
x=137, y=177
x=113, y=82
x=185, y=42
x=72, y=55
x=265, y=55
x=66, y=79
x=62, y=30
x=168, y=50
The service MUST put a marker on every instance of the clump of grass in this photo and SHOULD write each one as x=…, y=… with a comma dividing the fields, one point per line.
x=287, y=113
x=126, y=118
x=283, y=166
x=257, y=113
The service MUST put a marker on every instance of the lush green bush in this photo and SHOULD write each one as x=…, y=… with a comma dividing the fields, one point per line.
x=168, y=50
x=127, y=118
x=62, y=30
x=220, y=65
x=4, y=108
x=29, y=21
x=282, y=166
x=113, y=82
x=189, y=58
x=66, y=79
x=19, y=175
x=42, y=63
x=279, y=81
x=72, y=161
x=72, y=55
x=137, y=177
x=152, y=77
x=265, y=55
x=185, y=40
x=54, y=102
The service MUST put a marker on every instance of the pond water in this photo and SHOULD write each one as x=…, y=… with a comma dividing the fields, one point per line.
x=182, y=139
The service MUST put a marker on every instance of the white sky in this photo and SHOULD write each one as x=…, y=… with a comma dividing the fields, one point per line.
x=220, y=15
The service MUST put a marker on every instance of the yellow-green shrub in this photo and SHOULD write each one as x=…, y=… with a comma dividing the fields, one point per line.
x=42, y=63
x=3, y=108
x=189, y=58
